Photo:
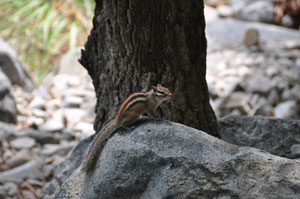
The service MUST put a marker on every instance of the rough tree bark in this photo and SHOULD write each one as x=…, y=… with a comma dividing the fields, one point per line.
x=135, y=44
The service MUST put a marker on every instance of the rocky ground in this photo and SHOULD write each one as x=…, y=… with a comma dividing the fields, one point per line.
x=252, y=68
x=255, y=82
x=50, y=122
x=263, y=79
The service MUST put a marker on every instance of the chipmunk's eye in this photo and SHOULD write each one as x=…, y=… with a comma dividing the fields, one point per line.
x=161, y=92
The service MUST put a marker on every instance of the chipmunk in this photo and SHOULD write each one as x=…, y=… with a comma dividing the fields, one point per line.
x=129, y=112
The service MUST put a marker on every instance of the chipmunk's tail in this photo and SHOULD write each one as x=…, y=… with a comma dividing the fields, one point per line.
x=98, y=145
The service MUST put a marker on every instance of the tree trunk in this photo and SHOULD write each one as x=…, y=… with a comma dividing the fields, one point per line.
x=135, y=44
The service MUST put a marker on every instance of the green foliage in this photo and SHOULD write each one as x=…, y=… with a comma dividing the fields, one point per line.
x=42, y=30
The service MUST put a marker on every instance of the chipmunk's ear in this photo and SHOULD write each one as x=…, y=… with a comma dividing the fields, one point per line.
x=154, y=88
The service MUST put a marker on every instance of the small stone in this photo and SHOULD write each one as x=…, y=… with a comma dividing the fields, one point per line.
x=7, y=131
x=251, y=37
x=37, y=103
x=28, y=194
x=84, y=126
x=2, y=192
x=286, y=21
x=74, y=115
x=53, y=125
x=48, y=170
x=237, y=100
x=272, y=71
x=244, y=71
x=28, y=170
x=73, y=101
x=291, y=45
x=292, y=94
x=273, y=97
x=10, y=188
x=59, y=149
x=259, y=84
x=295, y=149
x=20, y=158
x=39, y=113
x=55, y=160
x=81, y=93
x=23, y=143
x=41, y=137
x=53, y=104
x=286, y=110
x=7, y=154
x=297, y=65
x=266, y=110
x=35, y=121
x=225, y=11
x=280, y=82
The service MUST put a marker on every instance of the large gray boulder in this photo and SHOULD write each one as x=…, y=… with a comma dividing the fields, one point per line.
x=170, y=160
x=276, y=136
x=8, y=110
x=13, y=68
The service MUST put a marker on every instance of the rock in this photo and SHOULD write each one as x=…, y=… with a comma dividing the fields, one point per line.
x=13, y=68
x=237, y=100
x=286, y=110
x=297, y=65
x=291, y=45
x=273, y=97
x=276, y=136
x=225, y=11
x=90, y=94
x=265, y=110
x=10, y=188
x=251, y=37
x=48, y=171
x=7, y=131
x=23, y=143
x=234, y=30
x=53, y=125
x=28, y=194
x=2, y=192
x=39, y=113
x=272, y=71
x=84, y=127
x=74, y=115
x=20, y=158
x=53, y=104
x=73, y=101
x=280, y=82
x=7, y=154
x=37, y=103
x=259, y=84
x=261, y=107
x=41, y=137
x=59, y=149
x=8, y=110
x=34, y=121
x=260, y=11
x=292, y=94
x=286, y=21
x=30, y=169
x=168, y=160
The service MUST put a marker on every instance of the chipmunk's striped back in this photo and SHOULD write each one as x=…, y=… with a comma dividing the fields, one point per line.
x=130, y=102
